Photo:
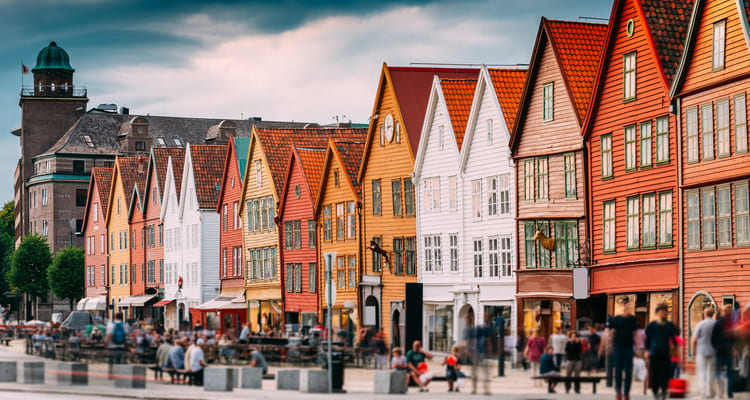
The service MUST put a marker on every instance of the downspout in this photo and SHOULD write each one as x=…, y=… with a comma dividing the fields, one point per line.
x=680, y=251
x=361, y=265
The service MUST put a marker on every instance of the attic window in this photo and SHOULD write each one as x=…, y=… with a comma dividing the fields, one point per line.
x=177, y=141
x=297, y=191
x=630, y=27
x=160, y=142
x=89, y=143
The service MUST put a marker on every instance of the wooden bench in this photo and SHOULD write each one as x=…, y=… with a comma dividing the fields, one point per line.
x=551, y=380
x=6, y=340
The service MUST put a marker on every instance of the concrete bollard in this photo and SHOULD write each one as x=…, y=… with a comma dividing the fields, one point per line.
x=8, y=371
x=130, y=376
x=33, y=372
x=236, y=378
x=313, y=381
x=287, y=379
x=218, y=379
x=72, y=373
x=390, y=382
x=252, y=378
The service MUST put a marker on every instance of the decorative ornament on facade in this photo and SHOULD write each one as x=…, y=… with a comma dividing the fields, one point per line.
x=179, y=282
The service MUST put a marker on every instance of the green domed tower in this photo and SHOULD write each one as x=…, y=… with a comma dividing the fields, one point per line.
x=53, y=75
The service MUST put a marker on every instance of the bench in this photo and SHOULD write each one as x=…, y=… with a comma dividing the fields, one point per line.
x=6, y=340
x=581, y=379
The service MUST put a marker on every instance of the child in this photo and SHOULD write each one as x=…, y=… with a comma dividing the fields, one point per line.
x=453, y=370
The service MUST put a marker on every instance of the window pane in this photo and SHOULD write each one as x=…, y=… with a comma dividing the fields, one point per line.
x=665, y=218
x=741, y=217
x=708, y=214
x=740, y=124
x=396, y=194
x=691, y=127
x=630, y=147
x=707, y=131
x=646, y=143
x=662, y=140
x=724, y=211
x=722, y=128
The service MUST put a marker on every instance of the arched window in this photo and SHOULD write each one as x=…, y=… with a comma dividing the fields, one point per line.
x=52, y=86
x=698, y=303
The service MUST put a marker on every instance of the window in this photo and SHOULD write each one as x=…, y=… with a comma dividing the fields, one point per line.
x=376, y=197
x=476, y=199
x=453, y=243
x=506, y=261
x=79, y=166
x=608, y=234
x=409, y=197
x=140, y=146
x=708, y=218
x=432, y=254
x=741, y=215
x=258, y=173
x=297, y=234
x=397, y=132
x=235, y=215
x=489, y=131
x=492, y=196
x=542, y=178
x=398, y=256
x=103, y=244
x=441, y=133
x=707, y=131
x=529, y=244
x=382, y=136
x=646, y=144
x=544, y=255
x=351, y=221
x=724, y=214
x=298, y=277
x=161, y=142
x=548, y=100
x=493, y=256
x=112, y=242
x=311, y=236
x=662, y=140
x=224, y=217
x=335, y=178
x=118, y=206
x=629, y=79
x=740, y=124
x=452, y=192
x=411, y=256
x=433, y=194
x=327, y=223
x=352, y=272
x=719, y=45
x=289, y=277
x=288, y=235
x=665, y=219
x=377, y=262
x=134, y=240
x=341, y=273
x=528, y=179
x=566, y=243
x=570, y=175
x=648, y=236
x=81, y=195
x=504, y=190
x=340, y=221
x=630, y=164
x=478, y=258
x=312, y=277
x=396, y=195
x=722, y=128
x=89, y=142
x=45, y=227
x=606, y=150
x=44, y=199
x=112, y=275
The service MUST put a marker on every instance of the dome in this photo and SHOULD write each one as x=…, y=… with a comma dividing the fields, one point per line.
x=53, y=57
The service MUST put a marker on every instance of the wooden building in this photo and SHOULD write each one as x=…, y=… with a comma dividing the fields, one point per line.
x=389, y=209
x=138, y=300
x=631, y=137
x=174, y=314
x=337, y=208
x=550, y=172
x=711, y=89
x=95, y=240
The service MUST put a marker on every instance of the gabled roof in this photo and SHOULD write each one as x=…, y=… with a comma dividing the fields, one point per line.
x=241, y=148
x=458, y=95
x=132, y=171
x=237, y=150
x=207, y=161
x=101, y=181
x=310, y=161
x=508, y=84
x=160, y=157
x=577, y=47
x=349, y=154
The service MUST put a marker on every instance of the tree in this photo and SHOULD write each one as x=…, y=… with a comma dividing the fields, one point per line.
x=6, y=252
x=8, y=219
x=67, y=274
x=28, y=268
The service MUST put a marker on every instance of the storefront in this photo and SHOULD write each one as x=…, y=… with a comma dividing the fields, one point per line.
x=547, y=314
x=438, y=327
x=266, y=316
x=225, y=313
x=645, y=305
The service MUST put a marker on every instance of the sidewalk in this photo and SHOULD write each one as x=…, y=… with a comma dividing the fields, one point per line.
x=358, y=384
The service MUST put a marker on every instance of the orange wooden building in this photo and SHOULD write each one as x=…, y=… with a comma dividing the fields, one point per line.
x=711, y=90
x=631, y=137
x=95, y=238
x=389, y=210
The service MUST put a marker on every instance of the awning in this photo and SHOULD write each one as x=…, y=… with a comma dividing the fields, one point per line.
x=96, y=303
x=137, y=300
x=228, y=299
x=82, y=304
x=163, y=303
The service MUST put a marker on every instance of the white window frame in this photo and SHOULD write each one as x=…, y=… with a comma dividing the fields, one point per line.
x=548, y=102
x=630, y=139
x=476, y=199
x=707, y=131
x=646, y=141
x=723, y=144
x=648, y=220
x=724, y=216
x=693, y=218
x=708, y=218
x=665, y=218
x=718, y=45
x=692, y=133
x=741, y=214
x=629, y=86
x=609, y=231
x=258, y=173
x=478, y=258
x=453, y=192
x=740, y=124
x=454, y=255
x=492, y=195
x=503, y=187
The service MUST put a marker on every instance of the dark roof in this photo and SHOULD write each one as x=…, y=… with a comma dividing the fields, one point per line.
x=178, y=164
x=103, y=178
x=459, y=96
x=351, y=156
x=103, y=129
x=131, y=174
x=161, y=159
x=208, y=166
x=668, y=22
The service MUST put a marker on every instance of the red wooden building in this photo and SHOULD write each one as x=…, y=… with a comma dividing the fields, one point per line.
x=299, y=254
x=711, y=89
x=631, y=137
x=95, y=239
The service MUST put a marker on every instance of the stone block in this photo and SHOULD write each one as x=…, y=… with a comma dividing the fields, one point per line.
x=252, y=378
x=287, y=379
x=313, y=381
x=33, y=372
x=390, y=381
x=72, y=373
x=218, y=379
x=130, y=376
x=236, y=378
x=8, y=371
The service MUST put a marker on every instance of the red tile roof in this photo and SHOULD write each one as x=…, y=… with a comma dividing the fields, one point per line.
x=103, y=180
x=208, y=166
x=351, y=156
x=668, y=22
x=412, y=86
x=161, y=159
x=132, y=171
x=311, y=161
x=459, y=96
x=277, y=144
x=508, y=85
x=578, y=46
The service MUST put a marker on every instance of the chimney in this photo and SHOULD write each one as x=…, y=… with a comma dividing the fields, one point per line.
x=124, y=111
x=141, y=161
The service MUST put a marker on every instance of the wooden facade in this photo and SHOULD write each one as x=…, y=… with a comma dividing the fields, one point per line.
x=95, y=233
x=711, y=89
x=137, y=240
x=631, y=137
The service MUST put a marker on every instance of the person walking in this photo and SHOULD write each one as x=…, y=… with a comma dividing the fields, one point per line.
x=476, y=338
x=115, y=341
x=722, y=339
x=592, y=350
x=534, y=349
x=660, y=335
x=705, y=354
x=573, y=363
x=623, y=327
x=558, y=340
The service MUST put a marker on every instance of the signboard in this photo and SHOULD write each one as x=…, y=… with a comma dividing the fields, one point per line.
x=331, y=295
x=349, y=304
x=580, y=283
x=369, y=317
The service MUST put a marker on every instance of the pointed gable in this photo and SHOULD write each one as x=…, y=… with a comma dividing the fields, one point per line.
x=132, y=172
x=241, y=149
x=311, y=161
x=160, y=159
x=350, y=154
x=508, y=85
x=458, y=95
x=208, y=165
x=103, y=180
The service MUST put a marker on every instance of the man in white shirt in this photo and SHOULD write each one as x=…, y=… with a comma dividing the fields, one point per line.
x=558, y=341
x=197, y=361
x=705, y=354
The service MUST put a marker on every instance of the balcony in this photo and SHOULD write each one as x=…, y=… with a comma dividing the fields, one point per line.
x=53, y=90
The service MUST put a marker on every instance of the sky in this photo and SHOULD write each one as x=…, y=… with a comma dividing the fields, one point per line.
x=290, y=60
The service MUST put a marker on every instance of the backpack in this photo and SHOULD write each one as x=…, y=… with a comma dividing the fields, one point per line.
x=118, y=335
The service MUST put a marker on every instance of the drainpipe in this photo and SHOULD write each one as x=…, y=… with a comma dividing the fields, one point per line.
x=680, y=251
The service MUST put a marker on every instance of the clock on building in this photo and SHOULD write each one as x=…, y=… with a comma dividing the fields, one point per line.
x=388, y=125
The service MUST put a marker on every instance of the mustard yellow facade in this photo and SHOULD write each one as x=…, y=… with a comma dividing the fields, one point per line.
x=119, y=241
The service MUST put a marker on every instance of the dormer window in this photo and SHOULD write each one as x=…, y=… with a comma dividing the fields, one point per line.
x=140, y=146
x=719, y=45
x=336, y=178
x=177, y=141
x=258, y=173
x=88, y=140
x=160, y=142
